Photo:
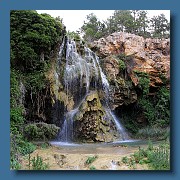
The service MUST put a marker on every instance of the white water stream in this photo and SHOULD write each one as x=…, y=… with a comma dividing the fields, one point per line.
x=78, y=74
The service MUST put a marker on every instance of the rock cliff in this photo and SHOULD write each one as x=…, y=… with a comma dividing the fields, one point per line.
x=124, y=50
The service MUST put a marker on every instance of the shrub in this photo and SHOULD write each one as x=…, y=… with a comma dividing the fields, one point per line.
x=14, y=163
x=45, y=145
x=40, y=131
x=38, y=164
x=157, y=158
x=19, y=147
x=125, y=160
x=157, y=110
x=26, y=147
x=92, y=168
x=130, y=161
x=91, y=159
x=144, y=81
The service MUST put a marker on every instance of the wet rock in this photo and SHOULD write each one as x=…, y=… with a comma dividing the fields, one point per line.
x=150, y=56
x=91, y=124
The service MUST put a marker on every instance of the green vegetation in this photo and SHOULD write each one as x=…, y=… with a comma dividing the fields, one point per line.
x=157, y=158
x=144, y=81
x=91, y=159
x=92, y=28
x=45, y=145
x=38, y=164
x=19, y=147
x=122, y=65
x=135, y=21
x=74, y=35
x=157, y=111
x=40, y=131
x=129, y=161
x=34, y=39
x=92, y=168
x=155, y=133
x=150, y=116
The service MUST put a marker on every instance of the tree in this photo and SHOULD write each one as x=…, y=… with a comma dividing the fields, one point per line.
x=123, y=20
x=142, y=24
x=160, y=26
x=33, y=36
x=92, y=28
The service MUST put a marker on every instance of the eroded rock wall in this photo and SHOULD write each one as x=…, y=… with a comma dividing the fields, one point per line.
x=91, y=122
x=151, y=56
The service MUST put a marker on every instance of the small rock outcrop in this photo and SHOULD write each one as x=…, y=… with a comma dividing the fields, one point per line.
x=91, y=122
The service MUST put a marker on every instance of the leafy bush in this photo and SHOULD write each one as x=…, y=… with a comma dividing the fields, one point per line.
x=40, y=131
x=26, y=147
x=16, y=116
x=163, y=106
x=14, y=163
x=157, y=111
x=140, y=155
x=125, y=160
x=91, y=159
x=144, y=81
x=130, y=161
x=18, y=148
x=45, y=145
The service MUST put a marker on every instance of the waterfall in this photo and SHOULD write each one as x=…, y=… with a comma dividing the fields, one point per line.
x=83, y=74
x=119, y=126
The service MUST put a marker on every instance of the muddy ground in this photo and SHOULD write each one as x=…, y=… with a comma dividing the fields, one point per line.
x=74, y=158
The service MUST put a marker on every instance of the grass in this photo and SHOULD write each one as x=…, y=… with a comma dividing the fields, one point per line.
x=157, y=158
x=37, y=163
x=155, y=133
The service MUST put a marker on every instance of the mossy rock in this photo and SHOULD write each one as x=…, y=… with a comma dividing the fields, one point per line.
x=41, y=131
x=91, y=124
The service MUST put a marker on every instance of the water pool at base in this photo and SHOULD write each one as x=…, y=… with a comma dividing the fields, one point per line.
x=117, y=147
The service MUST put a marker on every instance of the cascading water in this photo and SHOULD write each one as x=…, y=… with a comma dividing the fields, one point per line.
x=106, y=86
x=82, y=75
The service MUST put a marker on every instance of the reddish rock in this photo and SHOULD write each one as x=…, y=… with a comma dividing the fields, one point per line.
x=149, y=55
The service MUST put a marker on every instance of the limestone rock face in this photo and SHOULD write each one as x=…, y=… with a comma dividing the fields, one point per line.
x=121, y=90
x=151, y=56
x=91, y=123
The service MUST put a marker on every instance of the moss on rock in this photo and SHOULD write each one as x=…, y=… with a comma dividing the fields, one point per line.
x=91, y=122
